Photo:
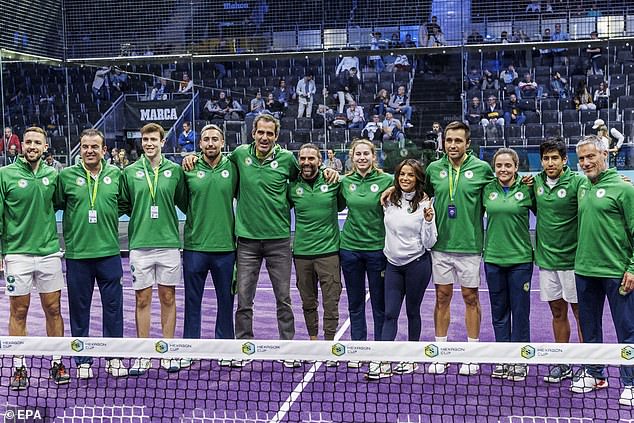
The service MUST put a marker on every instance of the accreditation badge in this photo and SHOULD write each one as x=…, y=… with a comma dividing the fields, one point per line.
x=154, y=212
x=92, y=216
x=452, y=212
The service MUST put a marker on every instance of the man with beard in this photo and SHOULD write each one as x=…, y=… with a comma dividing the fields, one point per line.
x=316, y=242
x=209, y=235
x=88, y=192
x=30, y=246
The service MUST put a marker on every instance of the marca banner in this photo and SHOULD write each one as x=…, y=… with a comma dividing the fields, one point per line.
x=165, y=113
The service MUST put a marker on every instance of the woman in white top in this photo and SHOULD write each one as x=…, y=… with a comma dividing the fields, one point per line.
x=410, y=231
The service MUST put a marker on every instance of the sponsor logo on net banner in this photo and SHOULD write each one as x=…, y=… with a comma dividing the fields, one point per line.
x=78, y=345
x=250, y=348
x=627, y=353
x=340, y=349
x=432, y=350
x=530, y=351
x=5, y=345
x=162, y=347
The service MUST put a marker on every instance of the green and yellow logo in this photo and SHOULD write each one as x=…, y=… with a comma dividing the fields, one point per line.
x=431, y=351
x=338, y=349
x=527, y=352
x=527, y=286
x=627, y=353
x=161, y=347
x=248, y=348
x=77, y=345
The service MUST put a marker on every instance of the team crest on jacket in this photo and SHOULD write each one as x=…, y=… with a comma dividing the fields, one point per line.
x=519, y=196
x=45, y=181
x=274, y=164
x=248, y=161
x=324, y=188
x=80, y=181
x=168, y=173
x=443, y=173
x=299, y=191
x=493, y=196
x=468, y=174
x=224, y=173
x=374, y=187
x=600, y=193
x=540, y=191
x=107, y=180
x=22, y=183
x=200, y=174
x=353, y=187
x=561, y=193
x=139, y=174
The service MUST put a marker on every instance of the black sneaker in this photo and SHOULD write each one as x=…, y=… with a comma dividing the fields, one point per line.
x=20, y=379
x=59, y=374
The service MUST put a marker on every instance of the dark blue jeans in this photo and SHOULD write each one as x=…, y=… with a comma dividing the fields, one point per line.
x=410, y=282
x=196, y=266
x=81, y=275
x=355, y=265
x=591, y=294
x=509, y=291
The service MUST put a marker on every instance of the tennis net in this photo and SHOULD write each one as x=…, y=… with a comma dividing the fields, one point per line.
x=308, y=381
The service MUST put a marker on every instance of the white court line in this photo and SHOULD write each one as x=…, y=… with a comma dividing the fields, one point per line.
x=286, y=406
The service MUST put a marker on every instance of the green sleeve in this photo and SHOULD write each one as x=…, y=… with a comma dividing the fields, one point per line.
x=429, y=188
x=628, y=213
x=341, y=201
x=181, y=196
x=2, y=195
x=59, y=199
x=294, y=171
x=124, y=196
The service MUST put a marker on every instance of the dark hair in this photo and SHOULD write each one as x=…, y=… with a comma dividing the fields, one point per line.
x=553, y=144
x=310, y=146
x=92, y=132
x=455, y=125
x=419, y=188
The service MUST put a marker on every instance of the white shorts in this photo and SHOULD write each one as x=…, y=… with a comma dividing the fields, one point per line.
x=25, y=271
x=449, y=268
x=557, y=284
x=155, y=265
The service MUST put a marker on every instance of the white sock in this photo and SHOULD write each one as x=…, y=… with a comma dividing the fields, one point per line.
x=473, y=339
x=19, y=361
x=57, y=359
x=441, y=339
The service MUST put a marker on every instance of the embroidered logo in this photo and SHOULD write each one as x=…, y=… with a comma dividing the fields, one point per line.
x=107, y=180
x=224, y=173
x=443, y=173
x=324, y=188
x=468, y=174
x=493, y=196
x=519, y=196
x=200, y=174
x=168, y=173
x=540, y=191
x=274, y=164
x=374, y=187
x=353, y=187
x=299, y=191
x=45, y=181
x=22, y=183
x=561, y=193
x=600, y=193
x=80, y=181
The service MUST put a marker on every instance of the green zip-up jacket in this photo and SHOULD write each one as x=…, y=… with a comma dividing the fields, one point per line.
x=27, y=209
x=465, y=233
x=606, y=227
x=508, y=241
x=75, y=189
x=556, y=231
x=210, y=223
x=364, y=229
x=316, y=220
x=136, y=202
x=263, y=211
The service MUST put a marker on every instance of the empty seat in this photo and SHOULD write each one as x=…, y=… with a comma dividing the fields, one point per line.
x=550, y=116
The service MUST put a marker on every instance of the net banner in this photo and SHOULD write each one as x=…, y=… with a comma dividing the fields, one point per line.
x=165, y=113
x=529, y=353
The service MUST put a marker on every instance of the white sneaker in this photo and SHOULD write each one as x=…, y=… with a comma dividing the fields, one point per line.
x=184, y=363
x=332, y=363
x=627, y=396
x=140, y=366
x=224, y=362
x=517, y=372
x=500, y=371
x=353, y=364
x=469, y=369
x=240, y=363
x=172, y=365
x=378, y=370
x=116, y=368
x=583, y=383
x=84, y=371
x=405, y=367
x=290, y=363
x=437, y=368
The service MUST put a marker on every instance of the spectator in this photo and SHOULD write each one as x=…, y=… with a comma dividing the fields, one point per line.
x=399, y=103
x=114, y=156
x=12, y=155
x=374, y=129
x=409, y=43
x=10, y=139
x=508, y=76
x=160, y=90
x=602, y=96
x=401, y=63
x=119, y=80
x=257, y=105
x=101, y=83
x=583, y=98
x=473, y=79
x=430, y=27
x=50, y=160
x=492, y=114
x=474, y=111
x=333, y=162
x=595, y=56
x=475, y=37
x=558, y=86
x=382, y=100
x=122, y=161
x=355, y=116
x=527, y=88
x=489, y=81
x=186, y=85
x=392, y=130
x=546, y=53
x=282, y=93
x=395, y=41
x=235, y=110
x=273, y=106
x=325, y=116
x=187, y=138
x=513, y=114
x=436, y=38
x=217, y=109
x=347, y=63
x=376, y=61
x=347, y=85
x=558, y=52
x=305, y=91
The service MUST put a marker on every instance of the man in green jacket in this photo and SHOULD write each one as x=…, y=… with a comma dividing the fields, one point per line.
x=604, y=263
x=30, y=247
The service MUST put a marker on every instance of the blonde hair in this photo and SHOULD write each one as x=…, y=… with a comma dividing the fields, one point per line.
x=355, y=144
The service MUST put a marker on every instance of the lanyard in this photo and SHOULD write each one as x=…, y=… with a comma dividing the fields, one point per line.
x=92, y=194
x=453, y=186
x=149, y=181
